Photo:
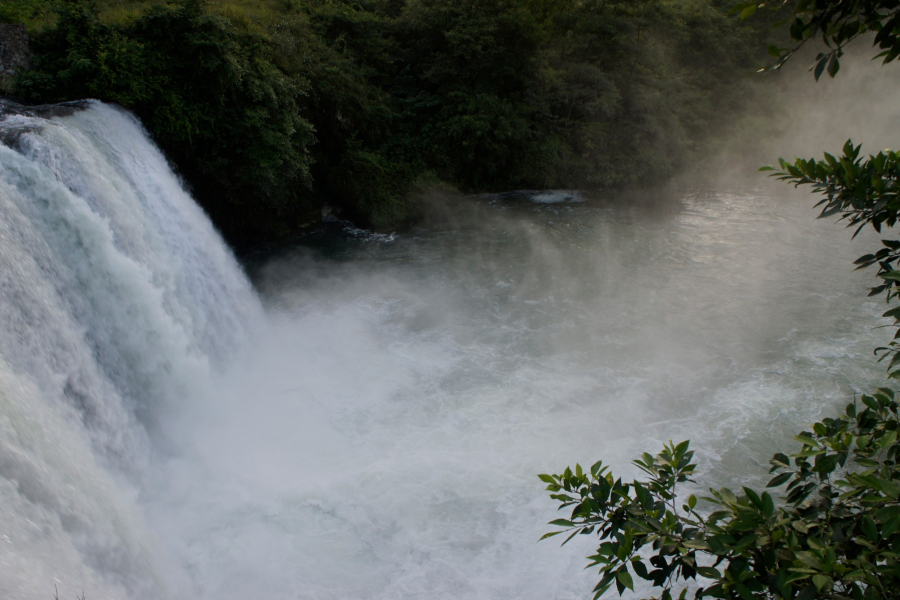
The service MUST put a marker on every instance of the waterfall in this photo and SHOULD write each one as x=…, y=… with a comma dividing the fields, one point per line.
x=368, y=422
x=117, y=300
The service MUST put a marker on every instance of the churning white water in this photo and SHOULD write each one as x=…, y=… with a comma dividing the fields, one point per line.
x=369, y=423
x=117, y=300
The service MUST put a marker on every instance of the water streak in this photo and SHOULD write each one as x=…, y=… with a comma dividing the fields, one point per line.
x=118, y=299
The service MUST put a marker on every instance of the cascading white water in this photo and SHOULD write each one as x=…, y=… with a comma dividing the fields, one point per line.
x=376, y=431
x=117, y=300
x=382, y=438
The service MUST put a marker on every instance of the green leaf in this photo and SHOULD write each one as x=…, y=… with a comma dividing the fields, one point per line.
x=753, y=497
x=806, y=440
x=809, y=453
x=781, y=460
x=887, y=513
x=809, y=559
x=888, y=487
x=748, y=12
x=709, y=572
x=728, y=496
x=834, y=65
x=640, y=568
x=826, y=464
x=848, y=148
x=625, y=579
x=820, y=67
x=869, y=528
x=779, y=480
x=745, y=542
x=822, y=582
x=890, y=527
x=768, y=507
x=744, y=591
x=561, y=523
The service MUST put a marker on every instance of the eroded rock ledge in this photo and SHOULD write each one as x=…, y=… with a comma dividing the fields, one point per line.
x=15, y=54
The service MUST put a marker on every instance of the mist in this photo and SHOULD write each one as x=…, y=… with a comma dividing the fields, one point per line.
x=790, y=114
x=359, y=415
x=382, y=436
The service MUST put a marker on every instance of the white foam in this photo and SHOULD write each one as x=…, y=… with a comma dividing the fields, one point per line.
x=377, y=433
x=117, y=300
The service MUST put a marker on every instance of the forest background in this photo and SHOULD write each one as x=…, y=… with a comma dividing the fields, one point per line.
x=272, y=109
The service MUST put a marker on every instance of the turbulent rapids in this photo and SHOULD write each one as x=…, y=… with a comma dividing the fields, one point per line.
x=367, y=423
x=117, y=297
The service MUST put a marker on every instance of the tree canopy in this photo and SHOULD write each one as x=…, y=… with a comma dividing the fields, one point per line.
x=270, y=109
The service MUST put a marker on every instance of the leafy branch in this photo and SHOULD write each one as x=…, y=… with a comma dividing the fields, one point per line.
x=837, y=23
x=836, y=534
x=862, y=191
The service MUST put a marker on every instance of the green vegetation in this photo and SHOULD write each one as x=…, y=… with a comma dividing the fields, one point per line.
x=209, y=94
x=837, y=532
x=836, y=536
x=837, y=23
x=864, y=191
x=272, y=108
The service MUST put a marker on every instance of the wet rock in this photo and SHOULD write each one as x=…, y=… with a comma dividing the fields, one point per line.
x=15, y=54
x=11, y=129
x=45, y=111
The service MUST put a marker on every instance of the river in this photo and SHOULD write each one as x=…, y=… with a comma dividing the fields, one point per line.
x=363, y=416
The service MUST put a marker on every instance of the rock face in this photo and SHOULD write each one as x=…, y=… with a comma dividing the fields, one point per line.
x=14, y=52
x=47, y=111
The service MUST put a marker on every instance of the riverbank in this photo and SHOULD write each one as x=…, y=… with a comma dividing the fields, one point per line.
x=272, y=110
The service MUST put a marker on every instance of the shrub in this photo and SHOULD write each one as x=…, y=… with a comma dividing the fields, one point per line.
x=837, y=535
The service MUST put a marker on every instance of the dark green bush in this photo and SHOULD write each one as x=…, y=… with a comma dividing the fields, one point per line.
x=209, y=94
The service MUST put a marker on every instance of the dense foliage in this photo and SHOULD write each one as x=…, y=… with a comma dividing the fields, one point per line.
x=271, y=108
x=209, y=94
x=836, y=533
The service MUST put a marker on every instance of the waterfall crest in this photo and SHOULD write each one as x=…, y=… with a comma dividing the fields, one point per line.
x=117, y=299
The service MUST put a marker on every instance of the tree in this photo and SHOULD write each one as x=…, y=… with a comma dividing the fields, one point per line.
x=209, y=94
x=836, y=533
x=836, y=23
